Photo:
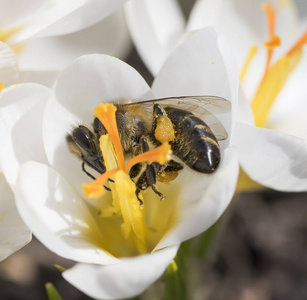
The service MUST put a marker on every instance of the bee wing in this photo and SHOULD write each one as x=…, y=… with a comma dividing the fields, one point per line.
x=215, y=125
x=195, y=104
x=203, y=107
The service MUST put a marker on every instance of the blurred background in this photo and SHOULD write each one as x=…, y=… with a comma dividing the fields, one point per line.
x=257, y=251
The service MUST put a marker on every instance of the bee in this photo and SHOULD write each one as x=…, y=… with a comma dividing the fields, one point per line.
x=187, y=123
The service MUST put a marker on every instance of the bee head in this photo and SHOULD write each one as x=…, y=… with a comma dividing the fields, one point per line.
x=84, y=145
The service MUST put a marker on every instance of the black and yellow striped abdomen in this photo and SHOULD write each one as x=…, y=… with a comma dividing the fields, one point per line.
x=194, y=142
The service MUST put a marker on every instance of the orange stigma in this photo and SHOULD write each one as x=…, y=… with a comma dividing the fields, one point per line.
x=274, y=40
x=105, y=112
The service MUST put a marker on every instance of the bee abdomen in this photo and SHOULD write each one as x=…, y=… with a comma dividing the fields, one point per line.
x=194, y=143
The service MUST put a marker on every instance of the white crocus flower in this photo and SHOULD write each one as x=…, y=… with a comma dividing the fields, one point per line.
x=47, y=35
x=113, y=263
x=271, y=158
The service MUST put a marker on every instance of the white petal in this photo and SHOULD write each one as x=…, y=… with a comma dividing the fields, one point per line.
x=87, y=82
x=202, y=65
x=89, y=14
x=125, y=279
x=8, y=64
x=13, y=232
x=110, y=36
x=226, y=17
x=57, y=216
x=155, y=26
x=271, y=158
x=21, y=110
x=204, y=199
x=46, y=78
x=14, y=11
x=245, y=113
x=47, y=14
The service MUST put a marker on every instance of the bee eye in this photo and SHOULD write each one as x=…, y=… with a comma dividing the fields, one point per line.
x=84, y=138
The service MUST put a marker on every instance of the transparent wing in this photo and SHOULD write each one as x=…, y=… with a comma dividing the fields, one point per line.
x=204, y=107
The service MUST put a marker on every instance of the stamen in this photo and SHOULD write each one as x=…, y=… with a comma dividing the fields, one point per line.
x=105, y=112
x=252, y=51
x=161, y=154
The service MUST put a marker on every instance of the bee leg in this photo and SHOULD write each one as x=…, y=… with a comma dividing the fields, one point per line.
x=151, y=176
x=151, y=170
x=91, y=176
x=87, y=173
x=107, y=189
x=137, y=192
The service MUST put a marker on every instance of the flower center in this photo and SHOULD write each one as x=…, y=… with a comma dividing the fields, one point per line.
x=276, y=75
x=125, y=203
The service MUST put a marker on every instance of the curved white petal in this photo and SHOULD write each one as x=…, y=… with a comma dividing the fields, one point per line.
x=89, y=81
x=57, y=216
x=202, y=65
x=83, y=16
x=155, y=26
x=125, y=279
x=13, y=232
x=109, y=36
x=271, y=158
x=8, y=64
x=44, y=16
x=203, y=200
x=21, y=110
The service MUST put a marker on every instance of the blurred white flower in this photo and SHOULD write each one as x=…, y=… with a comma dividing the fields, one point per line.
x=111, y=264
x=271, y=158
x=269, y=40
x=47, y=35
